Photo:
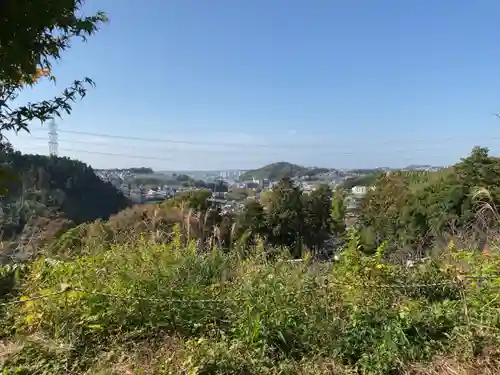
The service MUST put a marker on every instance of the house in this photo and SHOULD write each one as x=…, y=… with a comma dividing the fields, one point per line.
x=359, y=190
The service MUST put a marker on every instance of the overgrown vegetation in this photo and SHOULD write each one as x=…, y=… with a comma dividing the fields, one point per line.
x=289, y=218
x=414, y=210
x=182, y=288
x=174, y=180
x=363, y=180
x=150, y=292
x=148, y=308
x=48, y=196
x=41, y=197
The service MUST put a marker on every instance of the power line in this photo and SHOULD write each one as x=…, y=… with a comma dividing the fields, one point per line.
x=256, y=145
x=114, y=154
x=108, y=153
x=149, y=149
x=334, y=152
x=145, y=157
x=173, y=141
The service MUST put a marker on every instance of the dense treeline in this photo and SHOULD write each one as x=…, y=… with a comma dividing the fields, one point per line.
x=416, y=210
x=363, y=180
x=177, y=180
x=141, y=170
x=274, y=172
x=410, y=211
x=286, y=218
x=51, y=187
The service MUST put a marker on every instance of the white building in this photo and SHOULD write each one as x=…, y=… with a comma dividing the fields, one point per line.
x=359, y=190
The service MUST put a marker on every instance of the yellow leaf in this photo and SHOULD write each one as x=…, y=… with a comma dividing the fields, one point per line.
x=94, y=326
x=29, y=318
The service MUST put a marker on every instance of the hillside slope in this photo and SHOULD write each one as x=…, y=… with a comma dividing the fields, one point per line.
x=274, y=171
x=56, y=188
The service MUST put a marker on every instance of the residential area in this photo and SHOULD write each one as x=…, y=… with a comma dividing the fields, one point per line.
x=234, y=193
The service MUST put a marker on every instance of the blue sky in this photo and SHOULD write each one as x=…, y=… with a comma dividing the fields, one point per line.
x=325, y=82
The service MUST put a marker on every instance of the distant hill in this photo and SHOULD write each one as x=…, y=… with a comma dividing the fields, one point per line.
x=276, y=171
x=46, y=194
x=363, y=180
x=418, y=166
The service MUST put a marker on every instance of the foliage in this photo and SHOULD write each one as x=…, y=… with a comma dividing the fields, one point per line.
x=317, y=221
x=64, y=190
x=33, y=35
x=214, y=313
x=416, y=209
x=338, y=214
x=286, y=215
x=238, y=194
x=141, y=170
x=227, y=307
x=197, y=200
x=274, y=172
x=250, y=224
x=363, y=180
x=158, y=179
x=290, y=219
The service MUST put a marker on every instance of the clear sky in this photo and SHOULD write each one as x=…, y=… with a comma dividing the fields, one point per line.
x=321, y=82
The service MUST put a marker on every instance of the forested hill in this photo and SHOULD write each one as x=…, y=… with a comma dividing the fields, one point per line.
x=53, y=187
x=276, y=171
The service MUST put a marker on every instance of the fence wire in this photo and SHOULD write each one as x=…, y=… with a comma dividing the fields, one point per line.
x=68, y=288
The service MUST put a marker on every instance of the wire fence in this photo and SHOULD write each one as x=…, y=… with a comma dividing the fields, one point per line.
x=68, y=288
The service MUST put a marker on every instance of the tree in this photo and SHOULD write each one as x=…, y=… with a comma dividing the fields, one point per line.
x=141, y=170
x=182, y=178
x=49, y=187
x=317, y=217
x=265, y=197
x=197, y=200
x=218, y=186
x=411, y=211
x=33, y=34
x=250, y=223
x=285, y=216
x=363, y=180
x=8, y=175
x=338, y=214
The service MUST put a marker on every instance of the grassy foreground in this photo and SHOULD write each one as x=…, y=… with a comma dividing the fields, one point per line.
x=145, y=308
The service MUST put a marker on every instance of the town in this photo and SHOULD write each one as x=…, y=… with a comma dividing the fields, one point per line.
x=230, y=189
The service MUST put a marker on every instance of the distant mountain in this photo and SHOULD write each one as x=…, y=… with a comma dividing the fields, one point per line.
x=276, y=171
x=416, y=166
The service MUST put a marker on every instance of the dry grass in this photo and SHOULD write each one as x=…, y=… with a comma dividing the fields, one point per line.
x=7, y=350
x=146, y=358
x=453, y=365
x=271, y=317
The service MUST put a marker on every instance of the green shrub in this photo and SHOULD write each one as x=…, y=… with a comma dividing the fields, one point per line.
x=252, y=315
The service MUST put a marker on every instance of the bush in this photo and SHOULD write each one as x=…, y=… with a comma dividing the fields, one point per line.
x=251, y=316
x=149, y=221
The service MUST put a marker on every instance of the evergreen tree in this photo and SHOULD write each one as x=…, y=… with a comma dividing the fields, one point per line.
x=285, y=216
x=338, y=214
